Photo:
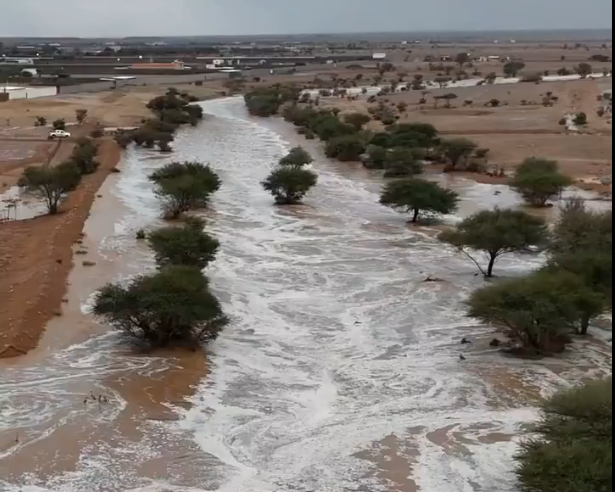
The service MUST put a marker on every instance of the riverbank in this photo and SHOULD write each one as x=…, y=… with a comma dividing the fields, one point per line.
x=36, y=257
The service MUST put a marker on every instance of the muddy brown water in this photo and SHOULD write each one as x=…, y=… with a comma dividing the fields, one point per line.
x=339, y=372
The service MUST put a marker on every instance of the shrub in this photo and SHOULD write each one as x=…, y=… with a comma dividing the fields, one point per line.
x=496, y=233
x=419, y=197
x=185, y=186
x=84, y=155
x=40, y=121
x=345, y=148
x=289, y=185
x=81, y=115
x=357, y=120
x=539, y=180
x=571, y=447
x=50, y=184
x=458, y=150
x=580, y=119
x=173, y=306
x=187, y=245
x=59, y=124
x=403, y=162
x=297, y=156
x=375, y=158
x=512, y=69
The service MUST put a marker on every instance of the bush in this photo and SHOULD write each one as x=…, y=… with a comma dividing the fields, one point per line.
x=298, y=156
x=357, y=120
x=458, y=150
x=81, y=115
x=563, y=122
x=50, y=184
x=185, y=186
x=403, y=162
x=289, y=185
x=537, y=310
x=59, y=124
x=187, y=245
x=539, y=180
x=84, y=155
x=496, y=233
x=419, y=197
x=173, y=306
x=346, y=148
x=580, y=119
x=512, y=69
x=40, y=121
x=375, y=158
x=571, y=447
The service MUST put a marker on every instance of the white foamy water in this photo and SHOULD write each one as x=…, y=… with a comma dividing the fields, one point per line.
x=336, y=345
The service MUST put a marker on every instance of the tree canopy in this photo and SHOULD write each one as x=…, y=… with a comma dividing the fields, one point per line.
x=572, y=448
x=51, y=184
x=297, y=156
x=539, y=180
x=345, y=148
x=538, y=311
x=173, y=306
x=497, y=233
x=403, y=162
x=419, y=197
x=185, y=186
x=290, y=184
x=458, y=150
x=512, y=69
x=357, y=120
x=187, y=245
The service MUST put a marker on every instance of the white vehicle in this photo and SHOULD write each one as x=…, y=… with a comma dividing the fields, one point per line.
x=58, y=134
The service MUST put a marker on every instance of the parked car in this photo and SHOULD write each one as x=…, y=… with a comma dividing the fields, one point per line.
x=58, y=134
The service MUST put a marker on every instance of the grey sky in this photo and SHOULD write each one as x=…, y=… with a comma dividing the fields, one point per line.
x=91, y=18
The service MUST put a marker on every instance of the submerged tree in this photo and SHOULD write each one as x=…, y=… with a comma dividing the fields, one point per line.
x=187, y=245
x=173, y=306
x=496, y=233
x=419, y=197
x=539, y=180
x=290, y=184
x=458, y=150
x=297, y=156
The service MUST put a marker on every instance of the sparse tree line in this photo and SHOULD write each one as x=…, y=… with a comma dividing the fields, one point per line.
x=171, y=111
x=175, y=305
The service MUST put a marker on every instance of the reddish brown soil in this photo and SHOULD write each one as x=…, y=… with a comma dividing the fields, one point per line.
x=36, y=258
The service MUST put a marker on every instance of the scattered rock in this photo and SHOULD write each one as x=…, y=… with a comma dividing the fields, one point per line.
x=115, y=170
x=81, y=252
x=59, y=262
x=58, y=313
x=65, y=300
x=89, y=264
x=433, y=279
x=465, y=341
x=495, y=343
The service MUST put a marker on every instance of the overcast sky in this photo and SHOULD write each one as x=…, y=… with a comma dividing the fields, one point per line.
x=92, y=18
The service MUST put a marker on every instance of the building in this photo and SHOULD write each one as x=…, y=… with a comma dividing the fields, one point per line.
x=176, y=65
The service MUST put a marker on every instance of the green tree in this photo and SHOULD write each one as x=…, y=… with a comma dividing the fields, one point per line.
x=345, y=148
x=84, y=156
x=50, y=184
x=185, y=186
x=571, y=448
x=512, y=69
x=59, y=124
x=458, y=150
x=331, y=127
x=289, y=185
x=173, y=306
x=537, y=310
x=585, y=69
x=376, y=157
x=539, y=180
x=419, y=197
x=462, y=58
x=496, y=233
x=403, y=162
x=357, y=120
x=297, y=156
x=186, y=245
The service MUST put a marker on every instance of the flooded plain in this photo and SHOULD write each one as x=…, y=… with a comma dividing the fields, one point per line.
x=339, y=372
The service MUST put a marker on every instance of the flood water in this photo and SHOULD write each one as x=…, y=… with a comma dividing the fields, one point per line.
x=339, y=371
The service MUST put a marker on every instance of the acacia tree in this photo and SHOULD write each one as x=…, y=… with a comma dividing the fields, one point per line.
x=297, y=156
x=173, y=306
x=186, y=245
x=357, y=120
x=585, y=69
x=403, y=162
x=346, y=148
x=512, y=68
x=496, y=233
x=462, y=58
x=185, y=186
x=290, y=184
x=539, y=180
x=50, y=184
x=537, y=310
x=458, y=150
x=571, y=447
x=419, y=197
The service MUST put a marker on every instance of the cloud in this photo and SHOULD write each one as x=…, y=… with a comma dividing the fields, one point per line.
x=88, y=18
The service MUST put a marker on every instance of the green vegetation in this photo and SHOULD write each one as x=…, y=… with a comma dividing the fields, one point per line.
x=584, y=69
x=267, y=101
x=539, y=180
x=401, y=162
x=458, y=151
x=84, y=155
x=81, y=115
x=418, y=196
x=512, y=69
x=345, y=148
x=297, y=156
x=185, y=186
x=357, y=120
x=187, y=245
x=496, y=233
x=50, y=184
x=59, y=124
x=173, y=306
x=571, y=449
